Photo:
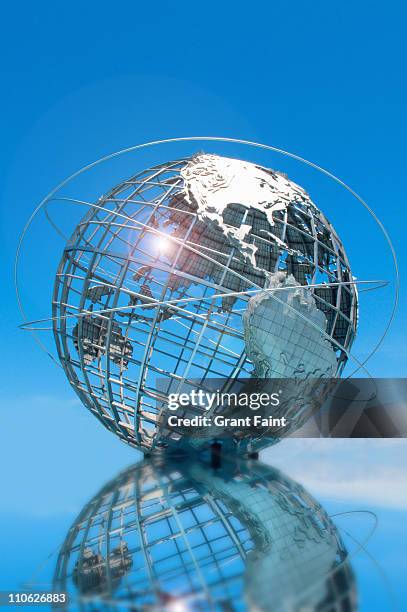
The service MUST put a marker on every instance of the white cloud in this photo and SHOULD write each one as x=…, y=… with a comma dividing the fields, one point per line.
x=363, y=471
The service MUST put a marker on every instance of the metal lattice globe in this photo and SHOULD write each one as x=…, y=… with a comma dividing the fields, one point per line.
x=183, y=537
x=205, y=267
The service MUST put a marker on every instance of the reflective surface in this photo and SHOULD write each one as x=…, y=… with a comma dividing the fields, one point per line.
x=183, y=536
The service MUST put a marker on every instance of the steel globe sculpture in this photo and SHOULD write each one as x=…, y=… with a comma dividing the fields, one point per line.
x=179, y=536
x=199, y=268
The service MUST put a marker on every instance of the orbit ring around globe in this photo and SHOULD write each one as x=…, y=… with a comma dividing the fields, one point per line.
x=50, y=197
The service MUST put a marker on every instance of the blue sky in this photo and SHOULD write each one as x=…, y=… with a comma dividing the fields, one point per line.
x=323, y=80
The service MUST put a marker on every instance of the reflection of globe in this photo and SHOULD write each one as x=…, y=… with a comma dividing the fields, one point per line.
x=179, y=536
x=207, y=267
